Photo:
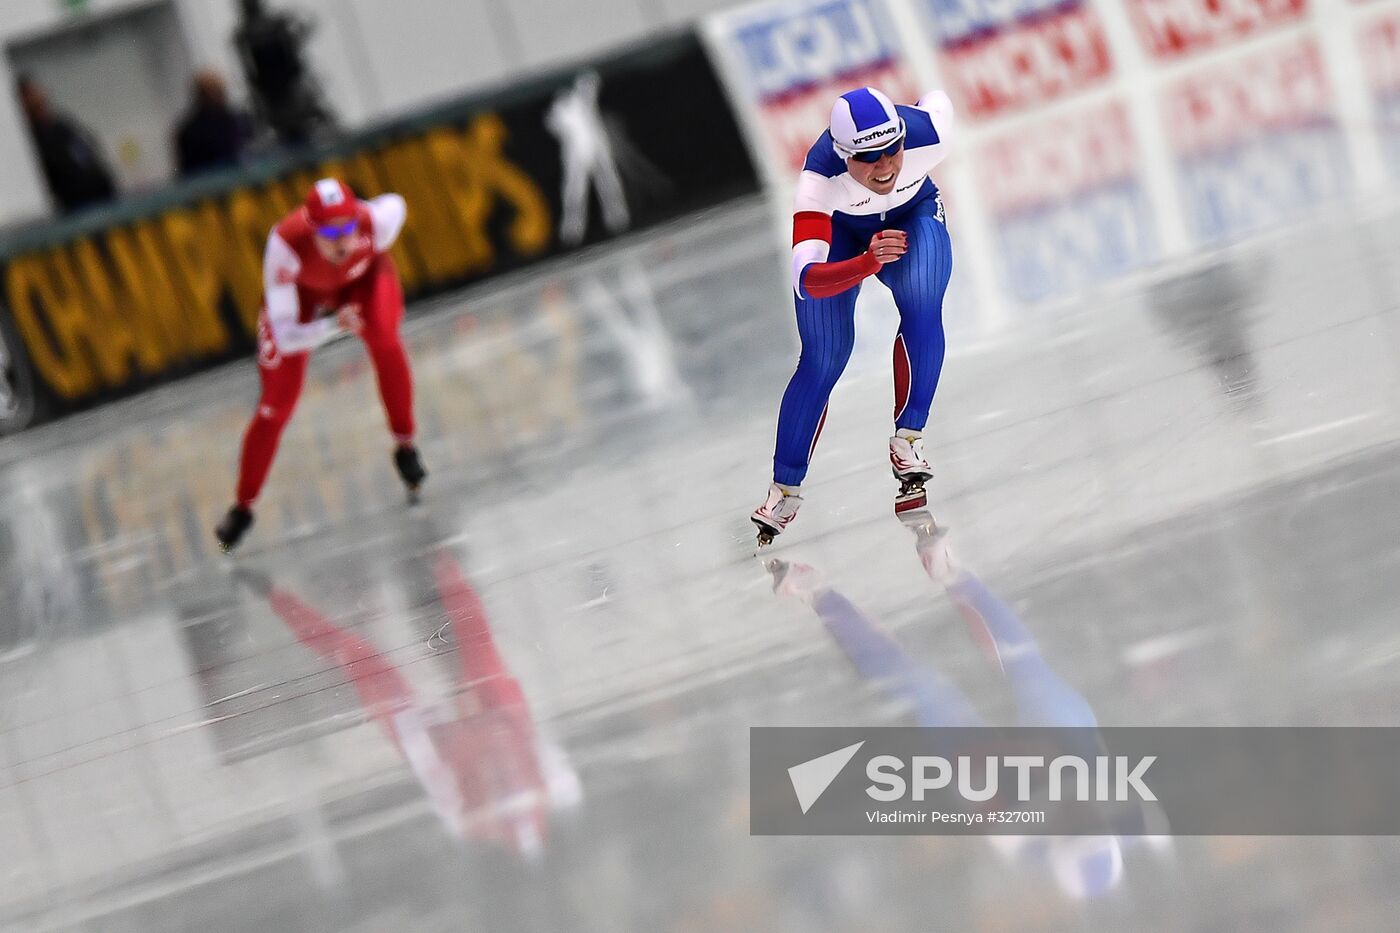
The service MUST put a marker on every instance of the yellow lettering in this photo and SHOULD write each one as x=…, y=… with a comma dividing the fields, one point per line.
x=295, y=187
x=279, y=201
x=199, y=285
x=484, y=159
x=249, y=227
x=463, y=194
x=114, y=352
x=362, y=174
x=237, y=274
x=155, y=346
x=34, y=301
x=164, y=303
x=437, y=237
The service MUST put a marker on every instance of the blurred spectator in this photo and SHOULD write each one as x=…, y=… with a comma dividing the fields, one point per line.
x=273, y=49
x=212, y=135
x=73, y=166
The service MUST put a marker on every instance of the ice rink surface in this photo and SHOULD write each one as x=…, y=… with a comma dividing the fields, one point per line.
x=524, y=704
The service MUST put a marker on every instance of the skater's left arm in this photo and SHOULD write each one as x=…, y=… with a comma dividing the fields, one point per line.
x=388, y=213
x=930, y=131
x=939, y=107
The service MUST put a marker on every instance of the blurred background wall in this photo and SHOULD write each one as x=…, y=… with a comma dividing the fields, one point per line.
x=123, y=67
x=1098, y=141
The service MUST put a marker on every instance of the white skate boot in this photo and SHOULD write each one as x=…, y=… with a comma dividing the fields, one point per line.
x=911, y=469
x=776, y=512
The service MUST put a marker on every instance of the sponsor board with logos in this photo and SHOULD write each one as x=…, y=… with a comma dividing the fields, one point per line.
x=1256, y=139
x=1378, y=38
x=1098, y=137
x=786, y=61
x=1067, y=201
x=147, y=291
x=999, y=57
x=1170, y=29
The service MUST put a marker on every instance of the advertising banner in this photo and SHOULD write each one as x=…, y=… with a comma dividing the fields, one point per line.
x=788, y=61
x=1379, y=40
x=1170, y=29
x=1094, y=138
x=997, y=58
x=1256, y=139
x=1067, y=202
x=144, y=292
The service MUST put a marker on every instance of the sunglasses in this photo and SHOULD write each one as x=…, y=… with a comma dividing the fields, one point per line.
x=874, y=155
x=336, y=231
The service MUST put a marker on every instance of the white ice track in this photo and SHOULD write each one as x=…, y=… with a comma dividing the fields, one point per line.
x=1187, y=489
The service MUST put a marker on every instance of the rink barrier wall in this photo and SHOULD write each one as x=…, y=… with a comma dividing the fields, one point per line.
x=1095, y=139
x=151, y=290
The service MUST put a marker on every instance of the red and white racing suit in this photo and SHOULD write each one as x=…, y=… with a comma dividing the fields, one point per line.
x=302, y=293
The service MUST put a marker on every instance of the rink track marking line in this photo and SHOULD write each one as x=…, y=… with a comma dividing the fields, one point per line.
x=1317, y=429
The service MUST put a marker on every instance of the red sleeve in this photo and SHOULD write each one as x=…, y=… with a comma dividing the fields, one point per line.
x=824, y=279
x=811, y=225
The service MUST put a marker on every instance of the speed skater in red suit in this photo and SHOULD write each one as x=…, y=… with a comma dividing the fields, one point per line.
x=326, y=271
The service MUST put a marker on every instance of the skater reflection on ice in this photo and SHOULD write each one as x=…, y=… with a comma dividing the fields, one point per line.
x=1207, y=310
x=38, y=571
x=1083, y=866
x=628, y=314
x=487, y=771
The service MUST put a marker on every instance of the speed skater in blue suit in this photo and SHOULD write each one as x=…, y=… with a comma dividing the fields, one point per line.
x=865, y=206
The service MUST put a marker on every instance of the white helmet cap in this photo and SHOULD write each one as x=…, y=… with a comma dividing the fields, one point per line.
x=864, y=119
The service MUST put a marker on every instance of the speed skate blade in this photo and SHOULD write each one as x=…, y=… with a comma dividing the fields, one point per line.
x=765, y=534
